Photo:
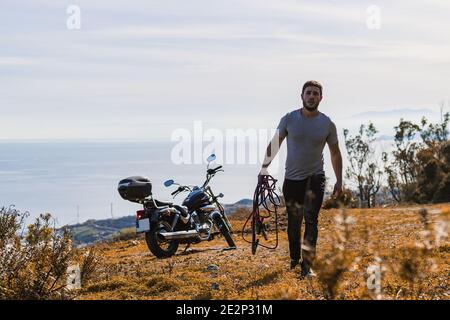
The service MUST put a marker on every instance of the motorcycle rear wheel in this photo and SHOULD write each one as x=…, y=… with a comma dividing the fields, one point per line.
x=159, y=247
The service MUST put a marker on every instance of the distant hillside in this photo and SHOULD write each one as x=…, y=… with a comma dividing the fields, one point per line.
x=243, y=202
x=99, y=230
x=102, y=230
x=231, y=208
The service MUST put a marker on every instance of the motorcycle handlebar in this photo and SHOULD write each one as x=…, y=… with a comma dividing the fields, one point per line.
x=181, y=189
x=178, y=190
x=212, y=171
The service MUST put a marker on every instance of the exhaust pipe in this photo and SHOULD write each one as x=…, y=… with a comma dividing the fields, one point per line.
x=179, y=235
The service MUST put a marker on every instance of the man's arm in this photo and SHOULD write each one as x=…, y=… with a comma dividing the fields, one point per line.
x=336, y=161
x=271, y=152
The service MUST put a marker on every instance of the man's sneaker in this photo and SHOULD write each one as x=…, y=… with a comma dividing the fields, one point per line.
x=307, y=273
x=294, y=263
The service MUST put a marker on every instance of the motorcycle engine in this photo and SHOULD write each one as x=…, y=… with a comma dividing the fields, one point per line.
x=202, y=224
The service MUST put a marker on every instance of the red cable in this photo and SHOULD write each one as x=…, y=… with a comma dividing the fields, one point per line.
x=264, y=196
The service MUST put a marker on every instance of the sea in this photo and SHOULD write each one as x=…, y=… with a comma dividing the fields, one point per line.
x=77, y=181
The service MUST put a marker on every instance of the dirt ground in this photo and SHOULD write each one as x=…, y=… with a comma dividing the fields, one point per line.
x=380, y=253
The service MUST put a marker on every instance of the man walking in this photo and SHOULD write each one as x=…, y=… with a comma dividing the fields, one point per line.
x=307, y=130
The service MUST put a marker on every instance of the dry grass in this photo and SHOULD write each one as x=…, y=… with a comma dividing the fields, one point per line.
x=40, y=264
x=410, y=249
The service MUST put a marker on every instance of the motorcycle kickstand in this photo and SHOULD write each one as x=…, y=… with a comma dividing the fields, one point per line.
x=187, y=247
x=229, y=248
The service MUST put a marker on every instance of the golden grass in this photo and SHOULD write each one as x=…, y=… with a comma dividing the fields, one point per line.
x=412, y=254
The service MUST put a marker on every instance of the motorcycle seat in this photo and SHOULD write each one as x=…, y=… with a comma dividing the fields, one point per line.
x=163, y=203
x=183, y=210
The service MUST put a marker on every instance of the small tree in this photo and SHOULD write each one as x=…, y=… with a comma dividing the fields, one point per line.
x=363, y=170
x=34, y=265
x=433, y=182
x=418, y=161
x=433, y=134
x=402, y=170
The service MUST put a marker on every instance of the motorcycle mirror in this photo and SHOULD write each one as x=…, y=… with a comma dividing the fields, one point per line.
x=168, y=183
x=211, y=158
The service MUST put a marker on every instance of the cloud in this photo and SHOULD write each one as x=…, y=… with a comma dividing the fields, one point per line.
x=15, y=61
x=211, y=59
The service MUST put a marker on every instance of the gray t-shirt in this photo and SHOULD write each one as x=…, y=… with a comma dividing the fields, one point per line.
x=306, y=139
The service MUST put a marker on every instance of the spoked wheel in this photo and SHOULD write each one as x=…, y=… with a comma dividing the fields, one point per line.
x=223, y=227
x=158, y=246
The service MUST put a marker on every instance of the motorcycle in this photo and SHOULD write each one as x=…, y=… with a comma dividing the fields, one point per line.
x=200, y=217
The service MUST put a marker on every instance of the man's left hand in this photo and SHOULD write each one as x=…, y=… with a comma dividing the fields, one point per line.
x=337, y=191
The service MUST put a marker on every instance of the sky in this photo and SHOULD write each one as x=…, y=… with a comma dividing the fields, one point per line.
x=142, y=69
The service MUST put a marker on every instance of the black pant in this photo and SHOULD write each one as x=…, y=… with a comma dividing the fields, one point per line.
x=299, y=203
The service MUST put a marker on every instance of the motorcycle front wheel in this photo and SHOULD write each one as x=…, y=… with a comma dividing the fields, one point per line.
x=159, y=247
x=221, y=224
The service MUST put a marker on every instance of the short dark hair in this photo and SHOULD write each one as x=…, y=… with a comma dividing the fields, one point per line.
x=312, y=83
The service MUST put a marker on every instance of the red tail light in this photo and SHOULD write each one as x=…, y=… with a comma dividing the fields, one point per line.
x=139, y=214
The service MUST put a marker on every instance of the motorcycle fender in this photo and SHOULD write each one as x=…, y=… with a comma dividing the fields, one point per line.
x=154, y=216
x=216, y=216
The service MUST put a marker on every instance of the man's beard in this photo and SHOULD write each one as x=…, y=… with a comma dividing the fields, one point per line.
x=311, y=109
